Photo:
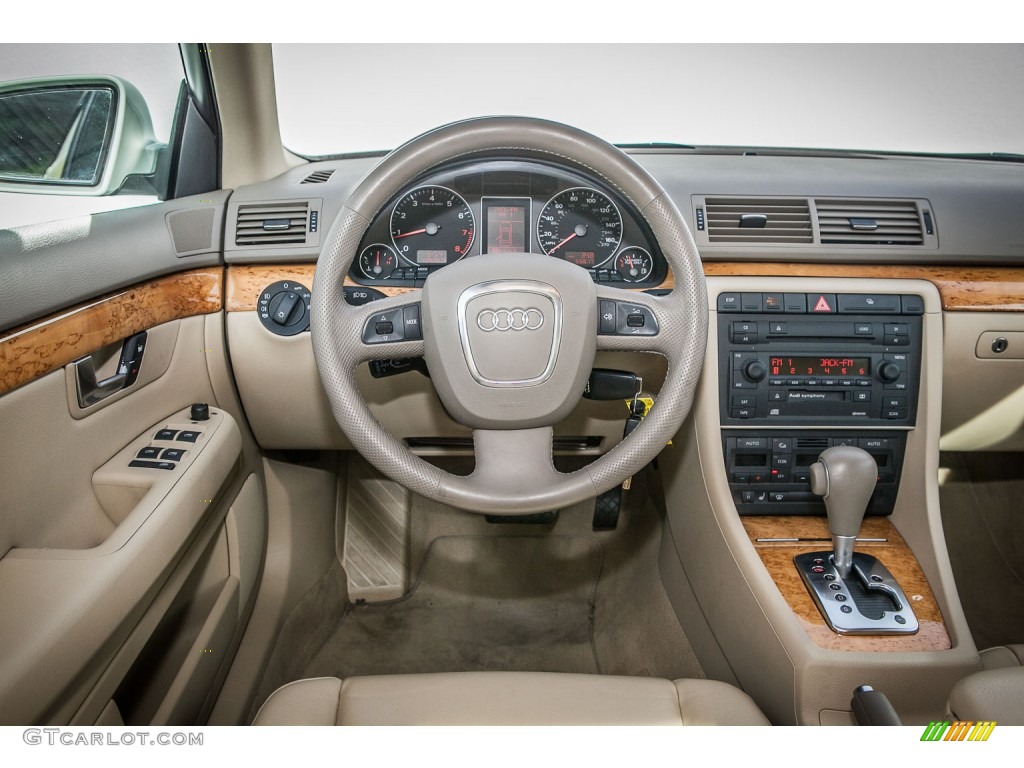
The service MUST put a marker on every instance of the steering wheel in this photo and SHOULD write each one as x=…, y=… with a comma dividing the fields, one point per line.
x=510, y=339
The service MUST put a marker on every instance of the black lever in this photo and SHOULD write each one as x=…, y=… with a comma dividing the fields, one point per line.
x=380, y=369
x=609, y=384
x=871, y=707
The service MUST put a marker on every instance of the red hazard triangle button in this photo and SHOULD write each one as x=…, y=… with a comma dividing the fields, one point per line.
x=822, y=302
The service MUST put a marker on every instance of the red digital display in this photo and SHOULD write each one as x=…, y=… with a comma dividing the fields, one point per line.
x=820, y=366
x=506, y=224
x=583, y=258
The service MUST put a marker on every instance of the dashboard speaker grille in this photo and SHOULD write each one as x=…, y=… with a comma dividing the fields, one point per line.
x=758, y=220
x=191, y=230
x=869, y=222
x=272, y=223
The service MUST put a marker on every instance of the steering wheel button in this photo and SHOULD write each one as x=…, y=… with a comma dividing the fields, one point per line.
x=411, y=321
x=384, y=328
x=606, y=317
x=635, y=321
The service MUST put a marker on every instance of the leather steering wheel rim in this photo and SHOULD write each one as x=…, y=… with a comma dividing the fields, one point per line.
x=514, y=467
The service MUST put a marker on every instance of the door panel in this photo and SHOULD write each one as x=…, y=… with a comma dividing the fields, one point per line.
x=123, y=589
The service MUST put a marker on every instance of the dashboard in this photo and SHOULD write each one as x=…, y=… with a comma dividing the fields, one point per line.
x=497, y=207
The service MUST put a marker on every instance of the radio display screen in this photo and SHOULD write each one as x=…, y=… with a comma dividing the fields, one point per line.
x=820, y=366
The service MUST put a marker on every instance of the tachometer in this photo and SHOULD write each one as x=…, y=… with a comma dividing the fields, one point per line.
x=432, y=226
x=580, y=225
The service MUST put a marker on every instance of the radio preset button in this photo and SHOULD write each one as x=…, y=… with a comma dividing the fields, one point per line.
x=863, y=382
x=776, y=382
x=794, y=382
x=846, y=382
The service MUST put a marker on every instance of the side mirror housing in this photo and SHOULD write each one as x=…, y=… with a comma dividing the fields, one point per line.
x=80, y=135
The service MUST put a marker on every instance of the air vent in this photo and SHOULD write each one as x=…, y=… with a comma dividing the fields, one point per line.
x=318, y=177
x=272, y=224
x=869, y=222
x=758, y=220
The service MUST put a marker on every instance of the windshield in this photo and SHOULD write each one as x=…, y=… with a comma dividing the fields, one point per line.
x=903, y=98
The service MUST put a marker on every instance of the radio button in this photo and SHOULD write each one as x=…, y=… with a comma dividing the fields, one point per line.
x=900, y=385
x=744, y=401
x=863, y=382
x=862, y=397
x=888, y=371
x=846, y=382
x=894, y=402
x=743, y=413
x=776, y=382
x=897, y=329
x=894, y=413
x=794, y=382
x=777, y=396
x=744, y=326
x=744, y=338
x=830, y=382
x=754, y=370
x=896, y=341
x=777, y=328
x=739, y=382
x=864, y=329
x=811, y=382
x=782, y=444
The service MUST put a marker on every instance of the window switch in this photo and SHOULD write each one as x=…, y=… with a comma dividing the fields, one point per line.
x=172, y=454
x=166, y=434
x=149, y=452
x=188, y=436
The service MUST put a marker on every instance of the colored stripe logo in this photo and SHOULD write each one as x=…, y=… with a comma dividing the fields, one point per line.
x=961, y=730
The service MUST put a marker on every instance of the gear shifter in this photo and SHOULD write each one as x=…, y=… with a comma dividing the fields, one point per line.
x=855, y=592
x=844, y=477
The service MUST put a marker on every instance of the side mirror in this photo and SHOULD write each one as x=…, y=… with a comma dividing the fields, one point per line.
x=74, y=136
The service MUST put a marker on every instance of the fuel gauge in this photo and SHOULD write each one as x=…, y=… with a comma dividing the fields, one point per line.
x=378, y=261
x=634, y=264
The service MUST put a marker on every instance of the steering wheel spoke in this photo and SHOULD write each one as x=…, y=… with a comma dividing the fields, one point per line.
x=382, y=329
x=637, y=322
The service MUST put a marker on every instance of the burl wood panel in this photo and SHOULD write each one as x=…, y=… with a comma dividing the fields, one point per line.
x=244, y=284
x=894, y=554
x=34, y=350
x=992, y=289
x=986, y=289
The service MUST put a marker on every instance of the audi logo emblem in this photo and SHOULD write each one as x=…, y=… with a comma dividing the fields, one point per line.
x=517, y=319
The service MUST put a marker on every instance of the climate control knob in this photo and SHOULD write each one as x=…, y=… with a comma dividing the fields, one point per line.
x=754, y=370
x=888, y=371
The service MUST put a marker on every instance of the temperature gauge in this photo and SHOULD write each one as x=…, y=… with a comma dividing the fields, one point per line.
x=378, y=261
x=634, y=264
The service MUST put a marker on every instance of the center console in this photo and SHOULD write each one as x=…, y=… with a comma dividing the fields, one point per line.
x=802, y=372
x=754, y=563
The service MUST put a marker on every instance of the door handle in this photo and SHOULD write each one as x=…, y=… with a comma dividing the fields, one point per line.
x=91, y=391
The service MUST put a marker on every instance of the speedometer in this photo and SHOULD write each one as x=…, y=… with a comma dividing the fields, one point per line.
x=432, y=226
x=580, y=225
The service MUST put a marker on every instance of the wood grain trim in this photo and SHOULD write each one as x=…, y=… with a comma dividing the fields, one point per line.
x=244, y=284
x=984, y=289
x=894, y=554
x=34, y=350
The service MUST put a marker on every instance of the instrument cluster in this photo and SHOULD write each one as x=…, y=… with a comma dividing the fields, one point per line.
x=507, y=206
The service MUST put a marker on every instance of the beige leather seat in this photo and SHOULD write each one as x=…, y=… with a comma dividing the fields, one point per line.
x=997, y=693
x=508, y=698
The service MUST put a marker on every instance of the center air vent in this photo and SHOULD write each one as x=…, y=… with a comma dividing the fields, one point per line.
x=272, y=223
x=869, y=222
x=758, y=220
x=318, y=177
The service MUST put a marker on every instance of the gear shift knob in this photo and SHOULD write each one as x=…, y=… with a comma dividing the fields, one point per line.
x=844, y=477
